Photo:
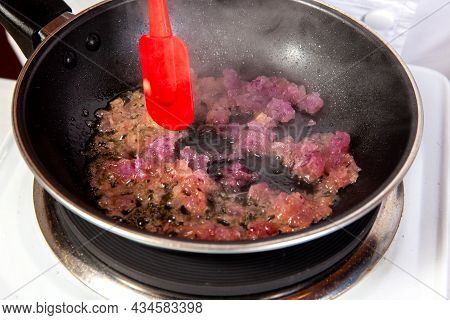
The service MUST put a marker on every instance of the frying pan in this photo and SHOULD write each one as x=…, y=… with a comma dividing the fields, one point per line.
x=78, y=63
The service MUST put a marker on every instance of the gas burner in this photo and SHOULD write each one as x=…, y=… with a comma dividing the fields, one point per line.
x=115, y=267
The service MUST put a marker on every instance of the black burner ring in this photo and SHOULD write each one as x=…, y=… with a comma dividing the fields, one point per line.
x=229, y=275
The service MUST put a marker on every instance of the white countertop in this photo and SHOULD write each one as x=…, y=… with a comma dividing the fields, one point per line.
x=6, y=93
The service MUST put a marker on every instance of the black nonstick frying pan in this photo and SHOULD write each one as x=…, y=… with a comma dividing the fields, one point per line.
x=78, y=63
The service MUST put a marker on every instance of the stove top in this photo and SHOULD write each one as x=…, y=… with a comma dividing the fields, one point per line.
x=321, y=268
x=415, y=265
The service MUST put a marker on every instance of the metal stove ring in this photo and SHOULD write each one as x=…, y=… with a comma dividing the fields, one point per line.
x=110, y=284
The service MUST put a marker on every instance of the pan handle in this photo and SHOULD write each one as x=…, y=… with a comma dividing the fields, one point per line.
x=25, y=19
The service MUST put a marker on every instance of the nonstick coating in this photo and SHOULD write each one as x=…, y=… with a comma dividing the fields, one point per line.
x=367, y=90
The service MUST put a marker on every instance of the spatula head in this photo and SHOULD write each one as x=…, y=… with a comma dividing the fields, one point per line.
x=167, y=81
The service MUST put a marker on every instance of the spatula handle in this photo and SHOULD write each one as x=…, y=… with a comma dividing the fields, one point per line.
x=159, y=19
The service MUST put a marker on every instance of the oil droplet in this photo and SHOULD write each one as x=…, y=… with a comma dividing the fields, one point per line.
x=99, y=113
x=93, y=42
x=90, y=123
x=70, y=59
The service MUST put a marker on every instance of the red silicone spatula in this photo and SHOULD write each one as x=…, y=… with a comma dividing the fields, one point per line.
x=166, y=72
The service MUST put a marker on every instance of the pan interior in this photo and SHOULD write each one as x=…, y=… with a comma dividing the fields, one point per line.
x=366, y=90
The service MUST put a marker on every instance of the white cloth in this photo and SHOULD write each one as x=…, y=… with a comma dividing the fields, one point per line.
x=428, y=43
x=394, y=16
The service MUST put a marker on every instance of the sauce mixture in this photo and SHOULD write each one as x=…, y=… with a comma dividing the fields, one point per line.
x=237, y=174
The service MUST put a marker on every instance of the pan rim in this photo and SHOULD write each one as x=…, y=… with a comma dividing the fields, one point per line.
x=266, y=244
